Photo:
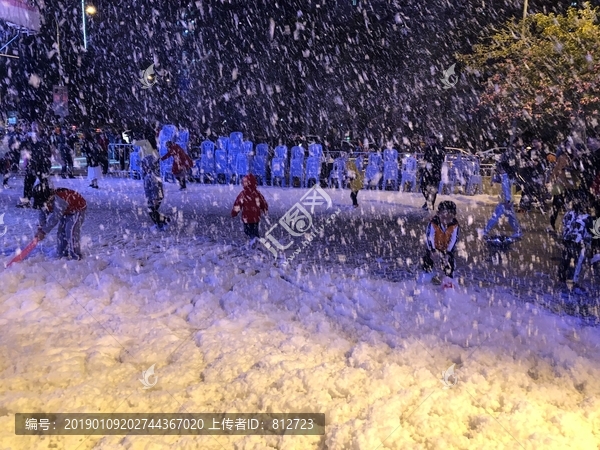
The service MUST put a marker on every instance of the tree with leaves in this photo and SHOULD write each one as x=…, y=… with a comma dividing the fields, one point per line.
x=543, y=72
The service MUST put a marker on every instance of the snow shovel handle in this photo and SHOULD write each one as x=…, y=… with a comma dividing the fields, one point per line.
x=24, y=253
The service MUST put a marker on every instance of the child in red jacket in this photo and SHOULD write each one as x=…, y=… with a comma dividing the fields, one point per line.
x=182, y=163
x=252, y=204
x=65, y=208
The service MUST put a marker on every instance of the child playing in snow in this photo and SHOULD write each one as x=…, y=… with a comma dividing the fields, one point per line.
x=182, y=163
x=65, y=208
x=251, y=203
x=575, y=237
x=441, y=237
x=153, y=189
x=505, y=207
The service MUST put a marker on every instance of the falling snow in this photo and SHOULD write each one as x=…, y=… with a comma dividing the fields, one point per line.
x=227, y=330
x=343, y=322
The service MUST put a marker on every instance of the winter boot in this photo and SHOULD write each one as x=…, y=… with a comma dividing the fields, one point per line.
x=24, y=203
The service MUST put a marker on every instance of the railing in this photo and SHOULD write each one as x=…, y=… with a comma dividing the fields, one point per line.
x=120, y=153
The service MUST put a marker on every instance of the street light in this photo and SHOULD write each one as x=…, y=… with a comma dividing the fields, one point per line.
x=91, y=10
x=524, y=17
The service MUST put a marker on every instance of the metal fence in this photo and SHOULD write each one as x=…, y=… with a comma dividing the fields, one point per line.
x=119, y=153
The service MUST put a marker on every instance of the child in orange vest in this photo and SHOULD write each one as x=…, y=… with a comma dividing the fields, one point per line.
x=441, y=237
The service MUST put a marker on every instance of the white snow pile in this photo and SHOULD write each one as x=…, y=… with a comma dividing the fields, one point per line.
x=369, y=354
x=229, y=332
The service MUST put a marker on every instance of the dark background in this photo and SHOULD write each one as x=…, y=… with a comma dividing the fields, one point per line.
x=271, y=69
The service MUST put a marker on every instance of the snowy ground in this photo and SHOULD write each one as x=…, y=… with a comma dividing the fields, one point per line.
x=345, y=330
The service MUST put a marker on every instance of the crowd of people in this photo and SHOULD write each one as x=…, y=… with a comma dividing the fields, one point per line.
x=568, y=180
x=37, y=146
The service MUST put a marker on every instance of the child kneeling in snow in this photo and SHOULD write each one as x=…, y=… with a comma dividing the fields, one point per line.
x=153, y=189
x=65, y=208
x=251, y=203
x=441, y=237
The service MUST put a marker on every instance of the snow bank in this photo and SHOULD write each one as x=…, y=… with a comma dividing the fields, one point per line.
x=229, y=332
x=247, y=337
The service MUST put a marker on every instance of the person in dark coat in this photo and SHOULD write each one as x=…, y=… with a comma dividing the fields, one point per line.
x=150, y=135
x=38, y=166
x=590, y=188
x=575, y=240
x=5, y=170
x=102, y=142
x=93, y=158
x=431, y=176
x=532, y=171
x=153, y=189
x=14, y=148
x=589, y=166
x=182, y=163
x=564, y=180
x=59, y=140
x=595, y=247
x=252, y=204
x=73, y=140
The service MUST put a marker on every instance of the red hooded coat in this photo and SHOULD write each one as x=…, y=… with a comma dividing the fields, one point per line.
x=181, y=161
x=250, y=202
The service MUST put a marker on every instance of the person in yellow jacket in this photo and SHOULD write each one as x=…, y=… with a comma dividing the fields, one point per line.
x=564, y=180
x=356, y=181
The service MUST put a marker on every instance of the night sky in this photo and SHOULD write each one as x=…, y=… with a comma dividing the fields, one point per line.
x=270, y=69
